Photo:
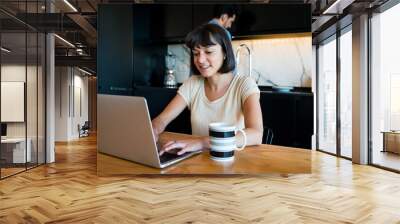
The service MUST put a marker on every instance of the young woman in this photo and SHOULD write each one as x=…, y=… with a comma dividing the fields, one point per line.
x=213, y=94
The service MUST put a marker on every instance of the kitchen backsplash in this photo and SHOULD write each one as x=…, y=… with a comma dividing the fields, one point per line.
x=281, y=60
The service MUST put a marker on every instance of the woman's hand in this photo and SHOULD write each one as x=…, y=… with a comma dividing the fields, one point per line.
x=188, y=145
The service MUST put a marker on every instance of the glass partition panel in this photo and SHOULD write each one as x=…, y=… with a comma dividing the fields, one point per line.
x=385, y=88
x=14, y=153
x=327, y=96
x=31, y=98
x=41, y=78
x=22, y=79
x=31, y=84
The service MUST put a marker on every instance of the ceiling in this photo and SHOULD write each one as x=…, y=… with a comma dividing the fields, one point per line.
x=76, y=23
x=77, y=26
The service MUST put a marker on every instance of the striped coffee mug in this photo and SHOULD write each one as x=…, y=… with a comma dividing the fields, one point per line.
x=223, y=141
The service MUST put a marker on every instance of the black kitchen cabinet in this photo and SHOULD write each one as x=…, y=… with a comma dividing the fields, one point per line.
x=256, y=19
x=262, y=19
x=162, y=23
x=115, y=49
x=177, y=21
x=304, y=116
x=277, y=110
x=170, y=23
x=148, y=50
x=289, y=116
x=202, y=14
x=145, y=23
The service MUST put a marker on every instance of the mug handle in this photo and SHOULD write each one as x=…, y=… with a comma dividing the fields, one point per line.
x=244, y=140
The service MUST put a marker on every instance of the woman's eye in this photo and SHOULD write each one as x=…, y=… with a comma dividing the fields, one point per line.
x=195, y=53
x=209, y=52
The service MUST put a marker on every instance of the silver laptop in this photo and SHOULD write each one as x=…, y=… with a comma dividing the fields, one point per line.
x=124, y=130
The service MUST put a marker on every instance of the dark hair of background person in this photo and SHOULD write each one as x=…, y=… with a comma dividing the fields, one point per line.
x=230, y=10
x=208, y=35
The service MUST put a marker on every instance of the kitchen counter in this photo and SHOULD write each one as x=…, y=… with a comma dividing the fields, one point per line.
x=275, y=92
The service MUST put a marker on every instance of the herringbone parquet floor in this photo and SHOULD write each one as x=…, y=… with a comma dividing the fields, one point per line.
x=70, y=192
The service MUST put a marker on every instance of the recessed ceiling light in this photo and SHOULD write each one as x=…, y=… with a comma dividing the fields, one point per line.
x=338, y=6
x=65, y=41
x=70, y=5
x=5, y=50
x=84, y=71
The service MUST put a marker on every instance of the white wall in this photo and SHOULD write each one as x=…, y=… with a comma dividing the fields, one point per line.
x=71, y=102
x=16, y=72
x=80, y=112
x=62, y=82
x=33, y=127
x=283, y=59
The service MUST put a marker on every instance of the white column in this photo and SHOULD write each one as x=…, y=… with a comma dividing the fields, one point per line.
x=50, y=93
x=360, y=90
x=50, y=100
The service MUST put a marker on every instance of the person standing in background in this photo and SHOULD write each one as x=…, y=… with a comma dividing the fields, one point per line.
x=224, y=16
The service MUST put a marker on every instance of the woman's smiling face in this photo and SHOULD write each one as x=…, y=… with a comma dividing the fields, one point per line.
x=208, y=60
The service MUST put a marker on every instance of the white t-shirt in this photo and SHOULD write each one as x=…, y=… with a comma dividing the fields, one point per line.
x=228, y=108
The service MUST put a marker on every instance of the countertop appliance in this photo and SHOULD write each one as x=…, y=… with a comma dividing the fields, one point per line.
x=170, y=79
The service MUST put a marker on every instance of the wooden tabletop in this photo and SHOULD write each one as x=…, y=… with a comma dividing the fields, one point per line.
x=254, y=160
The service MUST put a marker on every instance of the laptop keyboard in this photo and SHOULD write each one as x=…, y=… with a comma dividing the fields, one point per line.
x=166, y=157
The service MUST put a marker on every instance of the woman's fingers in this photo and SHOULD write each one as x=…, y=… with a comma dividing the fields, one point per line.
x=182, y=151
x=188, y=148
x=162, y=150
x=183, y=146
x=168, y=146
x=172, y=145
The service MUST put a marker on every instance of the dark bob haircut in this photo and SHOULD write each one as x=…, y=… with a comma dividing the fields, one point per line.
x=208, y=35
